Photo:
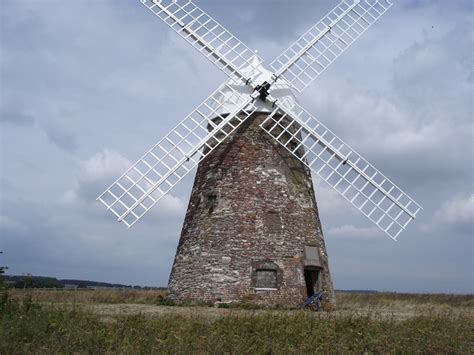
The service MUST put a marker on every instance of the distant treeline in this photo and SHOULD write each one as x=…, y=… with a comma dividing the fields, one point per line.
x=26, y=281
x=358, y=291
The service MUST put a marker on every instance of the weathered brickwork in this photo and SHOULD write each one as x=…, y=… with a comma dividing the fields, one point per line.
x=252, y=208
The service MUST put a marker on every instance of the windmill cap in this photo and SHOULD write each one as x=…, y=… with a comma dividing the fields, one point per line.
x=280, y=90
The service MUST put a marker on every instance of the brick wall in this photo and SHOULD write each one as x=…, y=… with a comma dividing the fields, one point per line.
x=252, y=203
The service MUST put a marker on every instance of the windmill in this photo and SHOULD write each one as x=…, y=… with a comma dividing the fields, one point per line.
x=252, y=227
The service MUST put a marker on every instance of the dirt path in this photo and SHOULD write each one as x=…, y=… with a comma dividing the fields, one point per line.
x=396, y=312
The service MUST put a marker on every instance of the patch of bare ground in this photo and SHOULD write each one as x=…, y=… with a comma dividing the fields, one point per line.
x=400, y=312
x=109, y=304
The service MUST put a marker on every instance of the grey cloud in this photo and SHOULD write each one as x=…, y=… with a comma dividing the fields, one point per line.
x=437, y=70
x=461, y=5
x=19, y=115
x=268, y=19
x=75, y=238
x=421, y=123
x=16, y=114
x=60, y=137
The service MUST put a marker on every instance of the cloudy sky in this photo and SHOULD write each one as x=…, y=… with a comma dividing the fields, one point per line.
x=88, y=85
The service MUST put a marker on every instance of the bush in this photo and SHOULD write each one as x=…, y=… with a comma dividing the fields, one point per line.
x=164, y=301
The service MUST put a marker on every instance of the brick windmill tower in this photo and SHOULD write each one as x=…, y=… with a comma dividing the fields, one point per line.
x=252, y=230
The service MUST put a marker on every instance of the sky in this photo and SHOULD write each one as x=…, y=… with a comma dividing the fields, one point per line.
x=88, y=86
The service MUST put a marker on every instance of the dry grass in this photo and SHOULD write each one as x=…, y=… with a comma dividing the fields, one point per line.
x=109, y=304
x=350, y=299
x=114, y=296
x=344, y=300
x=62, y=326
x=403, y=306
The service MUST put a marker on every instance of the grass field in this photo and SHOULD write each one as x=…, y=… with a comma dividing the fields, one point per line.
x=137, y=322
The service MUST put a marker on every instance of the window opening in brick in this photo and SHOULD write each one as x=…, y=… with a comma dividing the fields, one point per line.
x=211, y=203
x=272, y=221
x=266, y=278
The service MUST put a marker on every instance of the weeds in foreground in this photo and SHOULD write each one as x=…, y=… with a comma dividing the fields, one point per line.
x=26, y=326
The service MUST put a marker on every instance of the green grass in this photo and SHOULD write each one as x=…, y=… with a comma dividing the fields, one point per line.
x=28, y=327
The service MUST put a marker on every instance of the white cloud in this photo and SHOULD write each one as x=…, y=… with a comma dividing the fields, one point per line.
x=329, y=200
x=353, y=232
x=457, y=211
x=94, y=175
x=103, y=165
x=109, y=164
x=99, y=171
x=170, y=206
x=69, y=196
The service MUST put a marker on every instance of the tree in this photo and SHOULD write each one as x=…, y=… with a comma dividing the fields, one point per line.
x=27, y=281
x=3, y=269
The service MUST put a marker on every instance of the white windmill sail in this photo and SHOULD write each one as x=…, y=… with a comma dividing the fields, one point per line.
x=323, y=43
x=205, y=34
x=366, y=188
x=252, y=88
x=166, y=163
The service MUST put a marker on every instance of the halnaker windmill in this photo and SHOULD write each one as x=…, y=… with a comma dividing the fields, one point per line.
x=252, y=229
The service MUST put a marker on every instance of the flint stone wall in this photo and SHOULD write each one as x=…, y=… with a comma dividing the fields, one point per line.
x=252, y=204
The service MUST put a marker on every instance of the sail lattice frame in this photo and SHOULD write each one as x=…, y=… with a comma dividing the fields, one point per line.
x=360, y=183
x=207, y=35
x=323, y=43
x=147, y=181
x=165, y=164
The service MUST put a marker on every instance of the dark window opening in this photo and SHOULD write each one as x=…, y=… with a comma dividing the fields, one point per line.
x=311, y=278
x=265, y=278
x=211, y=203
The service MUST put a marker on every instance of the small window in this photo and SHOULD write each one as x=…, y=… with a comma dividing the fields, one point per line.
x=266, y=278
x=272, y=221
x=211, y=203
